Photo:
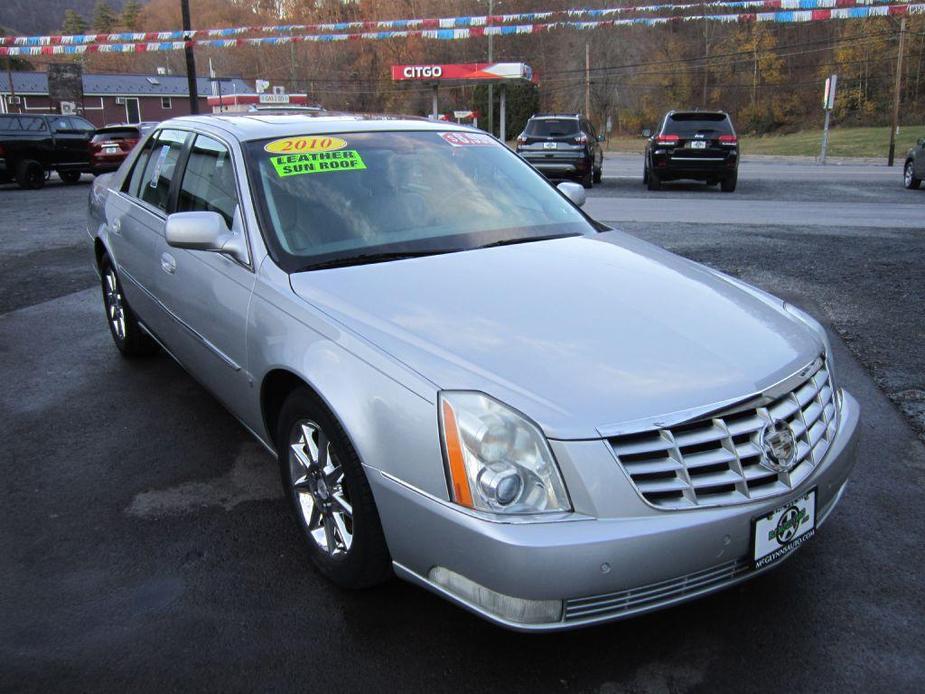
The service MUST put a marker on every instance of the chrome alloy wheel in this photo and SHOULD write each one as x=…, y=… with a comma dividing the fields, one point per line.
x=908, y=174
x=318, y=484
x=115, y=311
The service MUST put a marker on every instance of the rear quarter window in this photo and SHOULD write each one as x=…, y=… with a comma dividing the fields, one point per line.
x=9, y=124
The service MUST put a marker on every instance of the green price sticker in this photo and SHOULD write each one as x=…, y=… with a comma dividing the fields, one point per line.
x=317, y=162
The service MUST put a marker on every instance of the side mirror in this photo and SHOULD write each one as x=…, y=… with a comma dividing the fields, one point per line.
x=646, y=132
x=204, y=231
x=574, y=192
x=600, y=138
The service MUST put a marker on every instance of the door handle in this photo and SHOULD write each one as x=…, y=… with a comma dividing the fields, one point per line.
x=168, y=263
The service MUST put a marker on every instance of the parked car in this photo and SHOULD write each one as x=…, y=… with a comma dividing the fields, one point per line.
x=465, y=380
x=112, y=143
x=697, y=145
x=31, y=146
x=914, y=169
x=563, y=146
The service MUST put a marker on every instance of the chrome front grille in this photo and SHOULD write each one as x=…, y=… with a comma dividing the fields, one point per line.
x=655, y=594
x=717, y=460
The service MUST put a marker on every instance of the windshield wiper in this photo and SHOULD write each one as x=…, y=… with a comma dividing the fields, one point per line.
x=526, y=239
x=367, y=258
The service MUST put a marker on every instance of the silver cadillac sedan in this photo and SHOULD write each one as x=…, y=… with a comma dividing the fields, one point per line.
x=466, y=381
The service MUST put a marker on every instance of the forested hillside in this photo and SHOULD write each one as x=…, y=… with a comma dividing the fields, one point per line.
x=768, y=75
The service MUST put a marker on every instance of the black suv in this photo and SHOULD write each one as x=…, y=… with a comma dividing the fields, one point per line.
x=701, y=145
x=33, y=145
x=563, y=146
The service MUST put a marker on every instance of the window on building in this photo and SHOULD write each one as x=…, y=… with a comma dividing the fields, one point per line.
x=166, y=102
x=208, y=183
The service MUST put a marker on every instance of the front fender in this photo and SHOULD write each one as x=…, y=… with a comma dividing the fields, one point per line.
x=388, y=412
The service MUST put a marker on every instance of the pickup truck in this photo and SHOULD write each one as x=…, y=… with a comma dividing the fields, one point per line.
x=31, y=146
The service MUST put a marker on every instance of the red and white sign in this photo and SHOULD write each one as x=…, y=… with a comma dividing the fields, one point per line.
x=468, y=139
x=462, y=71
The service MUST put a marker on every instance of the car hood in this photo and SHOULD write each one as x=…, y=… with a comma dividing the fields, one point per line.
x=583, y=334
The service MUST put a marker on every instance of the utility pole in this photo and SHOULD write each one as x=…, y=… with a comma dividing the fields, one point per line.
x=12, y=94
x=587, y=80
x=828, y=103
x=491, y=91
x=190, y=61
x=897, y=93
x=706, y=55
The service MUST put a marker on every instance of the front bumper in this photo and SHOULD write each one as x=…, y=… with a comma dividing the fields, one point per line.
x=602, y=568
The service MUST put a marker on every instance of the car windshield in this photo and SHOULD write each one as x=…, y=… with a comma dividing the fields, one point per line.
x=552, y=127
x=326, y=200
x=689, y=124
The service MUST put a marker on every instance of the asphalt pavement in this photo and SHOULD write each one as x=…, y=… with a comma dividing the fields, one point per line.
x=145, y=544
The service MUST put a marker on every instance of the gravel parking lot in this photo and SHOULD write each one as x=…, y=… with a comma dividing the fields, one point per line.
x=145, y=542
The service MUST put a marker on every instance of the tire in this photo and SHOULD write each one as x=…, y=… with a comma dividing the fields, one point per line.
x=728, y=184
x=130, y=339
x=653, y=182
x=69, y=177
x=598, y=175
x=909, y=179
x=587, y=180
x=30, y=174
x=347, y=547
x=645, y=175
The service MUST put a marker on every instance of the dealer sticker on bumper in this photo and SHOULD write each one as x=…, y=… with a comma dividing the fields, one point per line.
x=784, y=529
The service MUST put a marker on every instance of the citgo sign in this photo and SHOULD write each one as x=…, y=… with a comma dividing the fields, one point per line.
x=416, y=72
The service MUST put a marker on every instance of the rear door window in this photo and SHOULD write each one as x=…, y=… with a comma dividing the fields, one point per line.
x=133, y=187
x=552, y=127
x=208, y=182
x=686, y=125
x=160, y=168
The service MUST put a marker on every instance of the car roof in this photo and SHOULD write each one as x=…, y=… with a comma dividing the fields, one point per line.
x=247, y=126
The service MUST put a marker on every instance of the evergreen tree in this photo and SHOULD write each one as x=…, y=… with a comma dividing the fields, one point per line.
x=130, y=15
x=74, y=23
x=104, y=19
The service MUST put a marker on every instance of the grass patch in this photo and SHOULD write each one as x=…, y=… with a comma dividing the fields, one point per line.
x=843, y=142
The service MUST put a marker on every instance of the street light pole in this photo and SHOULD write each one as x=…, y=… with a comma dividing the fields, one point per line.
x=897, y=93
x=190, y=61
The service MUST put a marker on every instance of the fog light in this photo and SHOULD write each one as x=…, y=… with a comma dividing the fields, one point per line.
x=504, y=606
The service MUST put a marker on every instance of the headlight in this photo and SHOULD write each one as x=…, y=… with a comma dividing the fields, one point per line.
x=497, y=460
x=817, y=328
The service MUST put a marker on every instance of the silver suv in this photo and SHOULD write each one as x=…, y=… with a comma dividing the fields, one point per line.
x=465, y=380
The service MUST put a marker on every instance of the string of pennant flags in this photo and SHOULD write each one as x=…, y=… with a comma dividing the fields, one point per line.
x=810, y=11
x=484, y=21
